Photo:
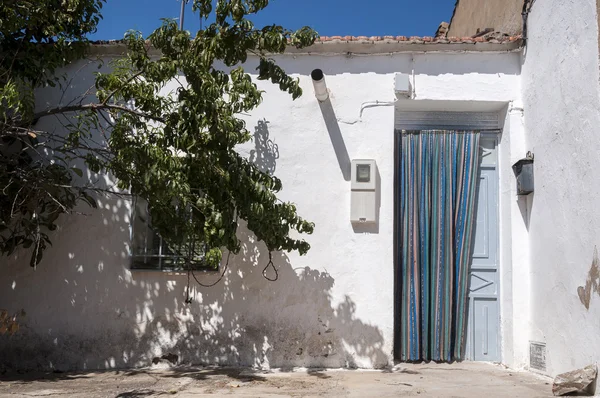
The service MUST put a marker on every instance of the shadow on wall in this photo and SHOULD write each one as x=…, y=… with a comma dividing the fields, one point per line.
x=337, y=140
x=265, y=152
x=432, y=64
x=525, y=203
x=87, y=310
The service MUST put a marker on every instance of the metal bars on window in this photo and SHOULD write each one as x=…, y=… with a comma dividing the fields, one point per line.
x=150, y=250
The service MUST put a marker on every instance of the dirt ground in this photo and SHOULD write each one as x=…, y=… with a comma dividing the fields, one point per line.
x=407, y=380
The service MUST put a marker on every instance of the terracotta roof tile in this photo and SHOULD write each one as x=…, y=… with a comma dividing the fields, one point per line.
x=421, y=40
x=373, y=44
x=393, y=39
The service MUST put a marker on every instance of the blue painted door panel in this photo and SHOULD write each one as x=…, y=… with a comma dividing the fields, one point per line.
x=483, y=337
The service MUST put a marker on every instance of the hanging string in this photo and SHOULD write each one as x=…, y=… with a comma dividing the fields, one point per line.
x=218, y=280
x=270, y=264
x=188, y=299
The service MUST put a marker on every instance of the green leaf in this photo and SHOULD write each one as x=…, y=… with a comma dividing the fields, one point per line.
x=90, y=200
x=77, y=171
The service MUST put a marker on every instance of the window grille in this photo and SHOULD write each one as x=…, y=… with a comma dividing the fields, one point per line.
x=151, y=252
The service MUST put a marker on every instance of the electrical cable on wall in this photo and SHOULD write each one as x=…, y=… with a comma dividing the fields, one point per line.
x=188, y=298
x=373, y=104
x=270, y=264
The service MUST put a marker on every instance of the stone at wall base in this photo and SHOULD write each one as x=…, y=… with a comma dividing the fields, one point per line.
x=581, y=381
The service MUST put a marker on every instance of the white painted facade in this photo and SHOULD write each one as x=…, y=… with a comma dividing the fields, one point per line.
x=561, y=98
x=335, y=306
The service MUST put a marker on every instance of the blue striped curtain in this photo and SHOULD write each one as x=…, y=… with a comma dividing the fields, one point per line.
x=439, y=171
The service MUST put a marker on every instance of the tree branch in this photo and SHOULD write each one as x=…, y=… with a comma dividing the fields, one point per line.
x=94, y=107
x=132, y=78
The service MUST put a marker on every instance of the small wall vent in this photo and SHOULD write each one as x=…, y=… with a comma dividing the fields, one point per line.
x=537, y=356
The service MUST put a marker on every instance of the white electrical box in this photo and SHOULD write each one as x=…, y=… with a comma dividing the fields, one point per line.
x=364, y=191
x=402, y=85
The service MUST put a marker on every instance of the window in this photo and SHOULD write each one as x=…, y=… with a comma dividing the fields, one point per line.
x=151, y=252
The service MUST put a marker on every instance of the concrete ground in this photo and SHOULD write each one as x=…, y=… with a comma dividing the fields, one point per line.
x=467, y=379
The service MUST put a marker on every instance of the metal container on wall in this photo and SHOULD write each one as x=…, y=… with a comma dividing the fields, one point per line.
x=523, y=170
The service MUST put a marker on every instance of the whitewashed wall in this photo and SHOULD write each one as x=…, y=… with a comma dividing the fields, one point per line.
x=562, y=119
x=333, y=307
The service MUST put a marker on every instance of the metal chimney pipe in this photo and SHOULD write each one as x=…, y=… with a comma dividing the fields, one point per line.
x=319, y=84
x=181, y=14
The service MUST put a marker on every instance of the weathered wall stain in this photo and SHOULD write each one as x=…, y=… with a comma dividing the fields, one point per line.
x=591, y=284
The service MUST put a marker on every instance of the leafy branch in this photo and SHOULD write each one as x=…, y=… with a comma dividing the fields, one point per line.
x=175, y=151
x=96, y=107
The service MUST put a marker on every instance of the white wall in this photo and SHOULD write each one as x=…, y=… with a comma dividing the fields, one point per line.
x=562, y=119
x=333, y=307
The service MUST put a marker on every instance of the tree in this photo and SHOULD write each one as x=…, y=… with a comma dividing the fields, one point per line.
x=176, y=151
x=36, y=38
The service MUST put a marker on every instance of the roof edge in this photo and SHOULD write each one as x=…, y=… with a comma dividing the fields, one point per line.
x=366, y=46
x=412, y=45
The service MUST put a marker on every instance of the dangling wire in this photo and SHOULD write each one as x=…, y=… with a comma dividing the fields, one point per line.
x=218, y=280
x=270, y=264
x=188, y=299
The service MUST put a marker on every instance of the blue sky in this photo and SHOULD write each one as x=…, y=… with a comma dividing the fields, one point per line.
x=328, y=17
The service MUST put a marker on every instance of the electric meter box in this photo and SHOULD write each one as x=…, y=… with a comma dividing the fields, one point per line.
x=364, y=191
